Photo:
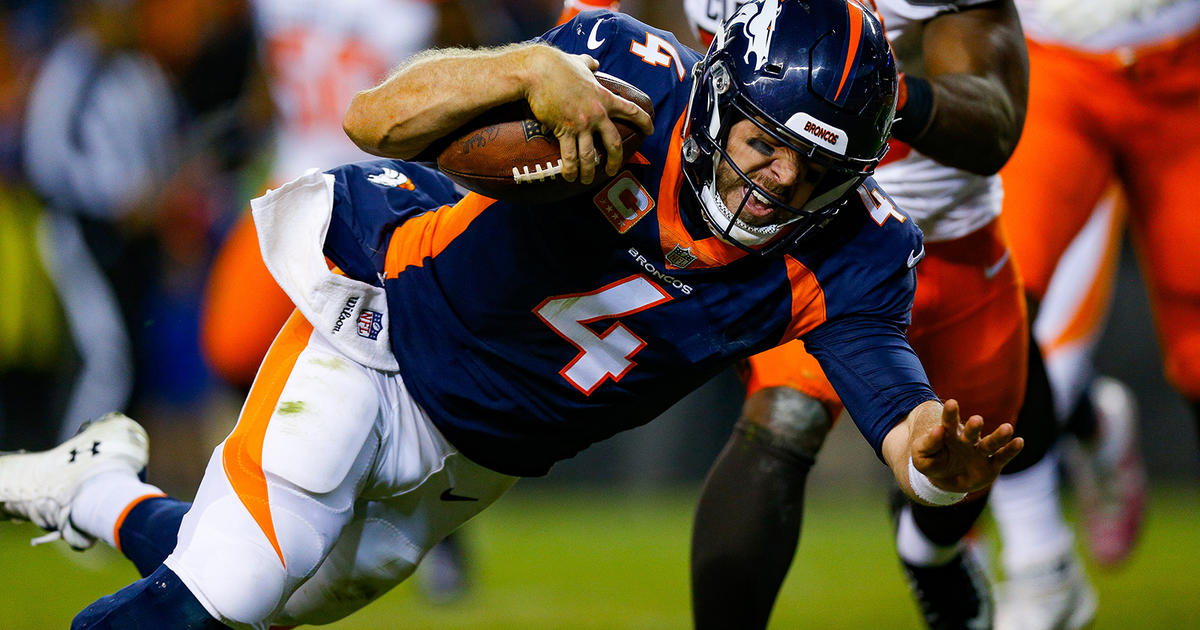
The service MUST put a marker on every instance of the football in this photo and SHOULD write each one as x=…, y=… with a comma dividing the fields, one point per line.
x=506, y=154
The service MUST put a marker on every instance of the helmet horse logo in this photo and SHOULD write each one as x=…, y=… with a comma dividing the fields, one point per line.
x=758, y=24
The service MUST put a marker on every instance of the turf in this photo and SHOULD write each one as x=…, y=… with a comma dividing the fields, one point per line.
x=549, y=558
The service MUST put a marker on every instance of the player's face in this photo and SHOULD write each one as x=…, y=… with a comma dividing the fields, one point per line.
x=776, y=168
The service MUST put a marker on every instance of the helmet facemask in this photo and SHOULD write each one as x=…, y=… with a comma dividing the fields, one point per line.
x=707, y=149
x=816, y=77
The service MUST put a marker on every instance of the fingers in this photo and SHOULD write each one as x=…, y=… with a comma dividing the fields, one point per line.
x=1007, y=452
x=568, y=149
x=972, y=429
x=587, y=158
x=590, y=62
x=612, y=147
x=996, y=439
x=1000, y=446
x=950, y=414
x=629, y=110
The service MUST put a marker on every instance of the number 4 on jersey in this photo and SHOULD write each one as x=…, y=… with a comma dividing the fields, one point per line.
x=609, y=354
x=657, y=52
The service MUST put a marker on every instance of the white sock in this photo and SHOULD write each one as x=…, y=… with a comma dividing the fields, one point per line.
x=1027, y=512
x=914, y=548
x=103, y=500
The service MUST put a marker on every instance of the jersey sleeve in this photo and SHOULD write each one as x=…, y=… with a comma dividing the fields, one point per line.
x=873, y=370
x=370, y=199
x=862, y=346
x=648, y=57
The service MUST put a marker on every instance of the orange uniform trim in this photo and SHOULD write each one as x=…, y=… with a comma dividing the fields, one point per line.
x=709, y=252
x=427, y=235
x=808, y=299
x=856, y=19
x=124, y=513
x=242, y=455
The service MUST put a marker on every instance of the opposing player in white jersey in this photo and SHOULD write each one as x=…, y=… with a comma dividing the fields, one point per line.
x=959, y=119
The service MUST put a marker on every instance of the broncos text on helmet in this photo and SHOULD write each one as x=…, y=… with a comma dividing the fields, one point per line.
x=817, y=76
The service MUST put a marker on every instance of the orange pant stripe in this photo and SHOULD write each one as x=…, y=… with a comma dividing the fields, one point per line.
x=242, y=456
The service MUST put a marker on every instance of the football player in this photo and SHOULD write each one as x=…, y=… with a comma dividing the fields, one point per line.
x=468, y=342
x=1133, y=124
x=962, y=102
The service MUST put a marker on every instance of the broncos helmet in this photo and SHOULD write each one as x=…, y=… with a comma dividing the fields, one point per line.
x=816, y=75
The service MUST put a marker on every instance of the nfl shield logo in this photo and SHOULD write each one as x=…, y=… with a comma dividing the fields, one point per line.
x=680, y=257
x=369, y=324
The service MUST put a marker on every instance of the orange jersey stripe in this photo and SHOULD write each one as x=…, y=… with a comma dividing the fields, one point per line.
x=709, y=252
x=427, y=235
x=856, y=18
x=124, y=513
x=242, y=456
x=808, y=299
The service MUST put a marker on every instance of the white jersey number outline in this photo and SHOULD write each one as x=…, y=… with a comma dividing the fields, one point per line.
x=609, y=354
x=883, y=208
x=652, y=52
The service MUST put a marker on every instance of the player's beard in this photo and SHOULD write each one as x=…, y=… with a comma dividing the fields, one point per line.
x=732, y=190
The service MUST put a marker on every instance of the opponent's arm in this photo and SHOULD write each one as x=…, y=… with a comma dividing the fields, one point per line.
x=969, y=108
x=952, y=455
x=437, y=91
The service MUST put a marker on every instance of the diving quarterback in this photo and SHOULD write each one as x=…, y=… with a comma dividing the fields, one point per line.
x=471, y=341
x=962, y=103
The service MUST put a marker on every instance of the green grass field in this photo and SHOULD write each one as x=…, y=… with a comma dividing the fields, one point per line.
x=547, y=558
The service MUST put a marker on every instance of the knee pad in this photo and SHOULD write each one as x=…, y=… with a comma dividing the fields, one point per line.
x=787, y=419
x=230, y=565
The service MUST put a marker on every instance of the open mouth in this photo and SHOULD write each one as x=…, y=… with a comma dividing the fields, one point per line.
x=757, y=204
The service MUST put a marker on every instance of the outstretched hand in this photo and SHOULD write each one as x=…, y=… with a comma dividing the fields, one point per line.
x=954, y=455
x=570, y=101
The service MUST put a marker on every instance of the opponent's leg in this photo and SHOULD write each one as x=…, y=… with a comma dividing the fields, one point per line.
x=748, y=519
x=970, y=330
x=1045, y=586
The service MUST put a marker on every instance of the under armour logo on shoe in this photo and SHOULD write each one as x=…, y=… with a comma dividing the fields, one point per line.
x=75, y=452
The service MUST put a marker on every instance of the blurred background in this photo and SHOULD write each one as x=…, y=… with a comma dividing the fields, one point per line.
x=133, y=134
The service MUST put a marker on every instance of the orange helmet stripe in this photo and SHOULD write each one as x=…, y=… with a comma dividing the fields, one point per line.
x=856, y=18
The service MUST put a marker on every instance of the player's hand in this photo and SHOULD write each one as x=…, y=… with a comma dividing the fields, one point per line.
x=957, y=458
x=567, y=98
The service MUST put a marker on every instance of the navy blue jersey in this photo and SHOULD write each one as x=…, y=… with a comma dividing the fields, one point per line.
x=528, y=332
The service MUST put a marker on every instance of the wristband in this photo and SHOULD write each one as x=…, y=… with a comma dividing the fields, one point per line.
x=924, y=488
x=915, y=111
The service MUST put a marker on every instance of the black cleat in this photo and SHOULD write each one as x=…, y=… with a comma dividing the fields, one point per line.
x=952, y=596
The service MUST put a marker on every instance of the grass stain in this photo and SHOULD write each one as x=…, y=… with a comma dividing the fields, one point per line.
x=291, y=406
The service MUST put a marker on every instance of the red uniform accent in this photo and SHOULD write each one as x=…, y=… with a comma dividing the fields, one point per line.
x=1098, y=117
x=968, y=328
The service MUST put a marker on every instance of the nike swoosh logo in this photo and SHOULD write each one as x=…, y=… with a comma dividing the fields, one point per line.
x=592, y=42
x=448, y=495
x=995, y=267
x=915, y=256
